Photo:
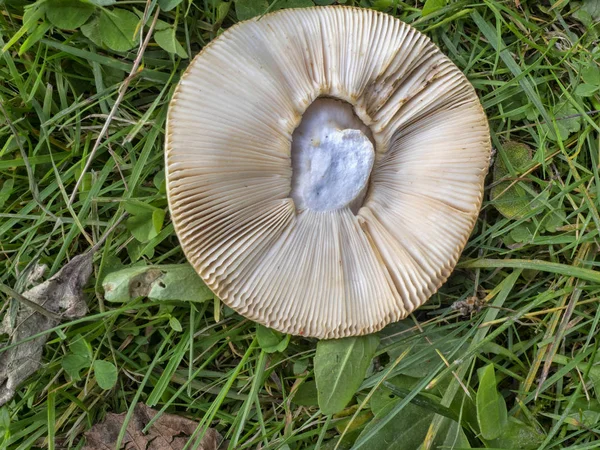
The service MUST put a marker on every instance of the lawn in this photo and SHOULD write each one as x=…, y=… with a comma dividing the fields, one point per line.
x=504, y=355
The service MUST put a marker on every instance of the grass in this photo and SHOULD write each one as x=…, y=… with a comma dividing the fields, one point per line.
x=534, y=271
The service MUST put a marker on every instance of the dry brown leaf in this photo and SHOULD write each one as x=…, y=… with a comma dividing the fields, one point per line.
x=169, y=432
x=62, y=297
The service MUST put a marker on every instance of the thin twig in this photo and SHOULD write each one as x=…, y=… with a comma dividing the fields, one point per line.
x=113, y=111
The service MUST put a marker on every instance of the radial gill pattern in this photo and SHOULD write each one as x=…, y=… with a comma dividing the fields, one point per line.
x=326, y=274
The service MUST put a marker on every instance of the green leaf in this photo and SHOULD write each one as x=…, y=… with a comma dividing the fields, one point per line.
x=513, y=202
x=103, y=2
x=145, y=222
x=168, y=5
x=271, y=341
x=492, y=415
x=591, y=74
x=118, y=29
x=91, y=30
x=6, y=191
x=106, y=374
x=35, y=35
x=306, y=395
x=567, y=119
x=554, y=219
x=161, y=282
x=167, y=40
x=586, y=90
x=592, y=7
x=247, y=9
x=518, y=435
x=431, y=6
x=74, y=364
x=300, y=366
x=340, y=367
x=285, y=4
x=79, y=358
x=68, y=14
x=175, y=324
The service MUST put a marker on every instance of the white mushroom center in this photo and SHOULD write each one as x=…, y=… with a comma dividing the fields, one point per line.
x=332, y=157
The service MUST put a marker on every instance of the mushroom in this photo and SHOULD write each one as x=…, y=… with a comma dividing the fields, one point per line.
x=325, y=167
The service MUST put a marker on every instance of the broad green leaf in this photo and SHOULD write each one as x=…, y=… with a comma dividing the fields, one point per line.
x=300, y=366
x=118, y=29
x=568, y=120
x=103, y=2
x=91, y=30
x=271, y=341
x=340, y=367
x=175, y=324
x=247, y=9
x=513, y=202
x=554, y=219
x=167, y=40
x=431, y=6
x=491, y=407
x=68, y=14
x=166, y=282
x=592, y=7
x=586, y=90
x=80, y=347
x=79, y=358
x=406, y=432
x=306, y=395
x=168, y=5
x=105, y=373
x=74, y=364
x=591, y=74
x=6, y=191
x=284, y=4
x=146, y=223
x=518, y=435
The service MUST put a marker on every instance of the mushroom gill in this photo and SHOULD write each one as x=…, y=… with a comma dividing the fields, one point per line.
x=325, y=168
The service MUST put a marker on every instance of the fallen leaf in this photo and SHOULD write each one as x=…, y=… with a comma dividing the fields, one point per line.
x=169, y=432
x=160, y=282
x=62, y=297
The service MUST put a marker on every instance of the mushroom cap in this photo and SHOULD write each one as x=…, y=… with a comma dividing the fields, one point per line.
x=335, y=273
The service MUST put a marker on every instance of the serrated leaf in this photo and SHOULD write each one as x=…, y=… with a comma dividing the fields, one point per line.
x=105, y=373
x=118, y=29
x=247, y=9
x=168, y=5
x=431, y=6
x=492, y=414
x=68, y=14
x=586, y=90
x=271, y=341
x=167, y=40
x=166, y=282
x=340, y=367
